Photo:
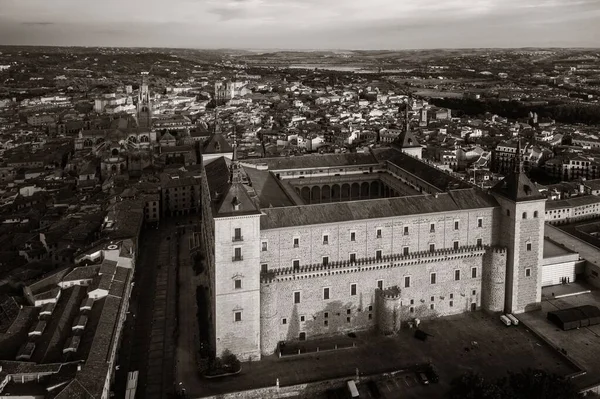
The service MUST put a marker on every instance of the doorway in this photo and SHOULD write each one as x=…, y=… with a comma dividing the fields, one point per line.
x=473, y=307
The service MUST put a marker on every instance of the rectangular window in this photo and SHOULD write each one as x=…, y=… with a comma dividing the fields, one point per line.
x=432, y=306
x=378, y=233
x=353, y=258
x=456, y=225
x=432, y=278
x=380, y=284
x=296, y=265
x=455, y=245
x=457, y=275
x=451, y=296
x=529, y=246
x=528, y=272
x=326, y=323
x=237, y=316
x=302, y=318
x=348, y=311
x=325, y=260
x=479, y=242
x=412, y=310
x=352, y=236
x=479, y=222
x=451, y=303
x=473, y=292
x=283, y=321
x=326, y=315
x=407, y=282
x=352, y=289
x=296, y=242
x=432, y=228
x=473, y=272
x=431, y=247
x=237, y=235
x=325, y=293
x=264, y=246
x=405, y=230
x=432, y=299
x=297, y=297
x=325, y=239
x=264, y=268
x=412, y=301
x=237, y=254
x=378, y=254
x=405, y=251
x=370, y=316
x=238, y=284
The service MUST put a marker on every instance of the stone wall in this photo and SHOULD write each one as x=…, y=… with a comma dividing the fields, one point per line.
x=349, y=309
x=494, y=280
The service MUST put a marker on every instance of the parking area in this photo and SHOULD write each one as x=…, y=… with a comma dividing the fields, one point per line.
x=580, y=344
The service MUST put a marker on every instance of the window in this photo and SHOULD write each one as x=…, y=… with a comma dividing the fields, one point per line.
x=455, y=245
x=264, y=268
x=473, y=292
x=264, y=245
x=432, y=228
x=479, y=242
x=237, y=254
x=412, y=301
x=352, y=258
x=451, y=296
x=237, y=316
x=405, y=251
x=378, y=254
x=296, y=242
x=297, y=297
x=407, y=282
x=296, y=265
x=479, y=222
x=325, y=293
x=237, y=235
x=325, y=239
x=326, y=323
x=238, y=284
x=352, y=236
x=302, y=318
x=326, y=315
x=456, y=275
x=451, y=303
x=284, y=321
x=432, y=306
x=528, y=272
x=529, y=246
x=405, y=230
x=524, y=215
x=432, y=299
x=535, y=214
x=380, y=284
x=431, y=247
x=473, y=272
x=352, y=289
x=347, y=320
x=432, y=278
x=412, y=310
x=378, y=233
x=370, y=316
x=348, y=311
x=370, y=308
x=456, y=225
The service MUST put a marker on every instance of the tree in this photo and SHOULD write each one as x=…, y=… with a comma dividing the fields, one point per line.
x=525, y=384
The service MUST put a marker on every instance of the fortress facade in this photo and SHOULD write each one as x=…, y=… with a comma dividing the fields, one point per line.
x=311, y=246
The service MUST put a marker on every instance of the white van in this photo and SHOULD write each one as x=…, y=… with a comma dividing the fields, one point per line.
x=505, y=320
x=352, y=389
x=513, y=319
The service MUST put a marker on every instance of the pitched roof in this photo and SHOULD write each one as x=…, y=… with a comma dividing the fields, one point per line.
x=406, y=139
x=517, y=187
x=217, y=144
x=316, y=161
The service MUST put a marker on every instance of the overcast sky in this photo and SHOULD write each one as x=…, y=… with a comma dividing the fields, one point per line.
x=302, y=24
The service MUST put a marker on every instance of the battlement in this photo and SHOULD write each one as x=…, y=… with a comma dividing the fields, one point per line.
x=497, y=250
x=390, y=293
x=372, y=263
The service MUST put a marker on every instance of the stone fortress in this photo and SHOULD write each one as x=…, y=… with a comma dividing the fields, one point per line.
x=311, y=246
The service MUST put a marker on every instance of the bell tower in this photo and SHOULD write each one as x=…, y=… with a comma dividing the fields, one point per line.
x=144, y=105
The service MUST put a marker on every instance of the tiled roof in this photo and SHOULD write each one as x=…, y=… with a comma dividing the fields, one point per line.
x=108, y=267
x=82, y=273
x=217, y=144
x=316, y=161
x=517, y=187
x=573, y=202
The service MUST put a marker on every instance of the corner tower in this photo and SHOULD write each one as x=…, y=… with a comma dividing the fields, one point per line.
x=522, y=233
x=144, y=106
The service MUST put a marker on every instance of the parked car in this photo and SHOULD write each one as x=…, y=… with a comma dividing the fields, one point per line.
x=423, y=378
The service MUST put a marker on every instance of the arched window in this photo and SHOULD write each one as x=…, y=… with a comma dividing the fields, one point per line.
x=144, y=139
x=524, y=215
x=115, y=152
x=88, y=143
x=508, y=212
x=133, y=139
x=535, y=214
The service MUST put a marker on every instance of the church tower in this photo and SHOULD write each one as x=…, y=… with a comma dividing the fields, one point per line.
x=406, y=141
x=521, y=231
x=144, y=106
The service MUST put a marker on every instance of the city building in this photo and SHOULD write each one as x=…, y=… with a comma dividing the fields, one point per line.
x=311, y=246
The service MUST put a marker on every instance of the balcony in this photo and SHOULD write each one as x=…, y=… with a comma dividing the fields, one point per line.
x=237, y=258
x=237, y=238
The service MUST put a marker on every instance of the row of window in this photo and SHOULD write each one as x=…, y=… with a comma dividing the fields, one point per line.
x=524, y=215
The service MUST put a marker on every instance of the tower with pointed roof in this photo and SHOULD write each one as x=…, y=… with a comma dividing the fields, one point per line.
x=406, y=141
x=144, y=105
x=521, y=231
x=236, y=283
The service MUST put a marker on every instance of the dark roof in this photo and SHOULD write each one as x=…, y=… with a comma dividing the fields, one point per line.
x=406, y=139
x=456, y=200
x=316, y=161
x=517, y=187
x=573, y=202
x=216, y=144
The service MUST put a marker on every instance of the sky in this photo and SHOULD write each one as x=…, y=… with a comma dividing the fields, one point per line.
x=302, y=24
